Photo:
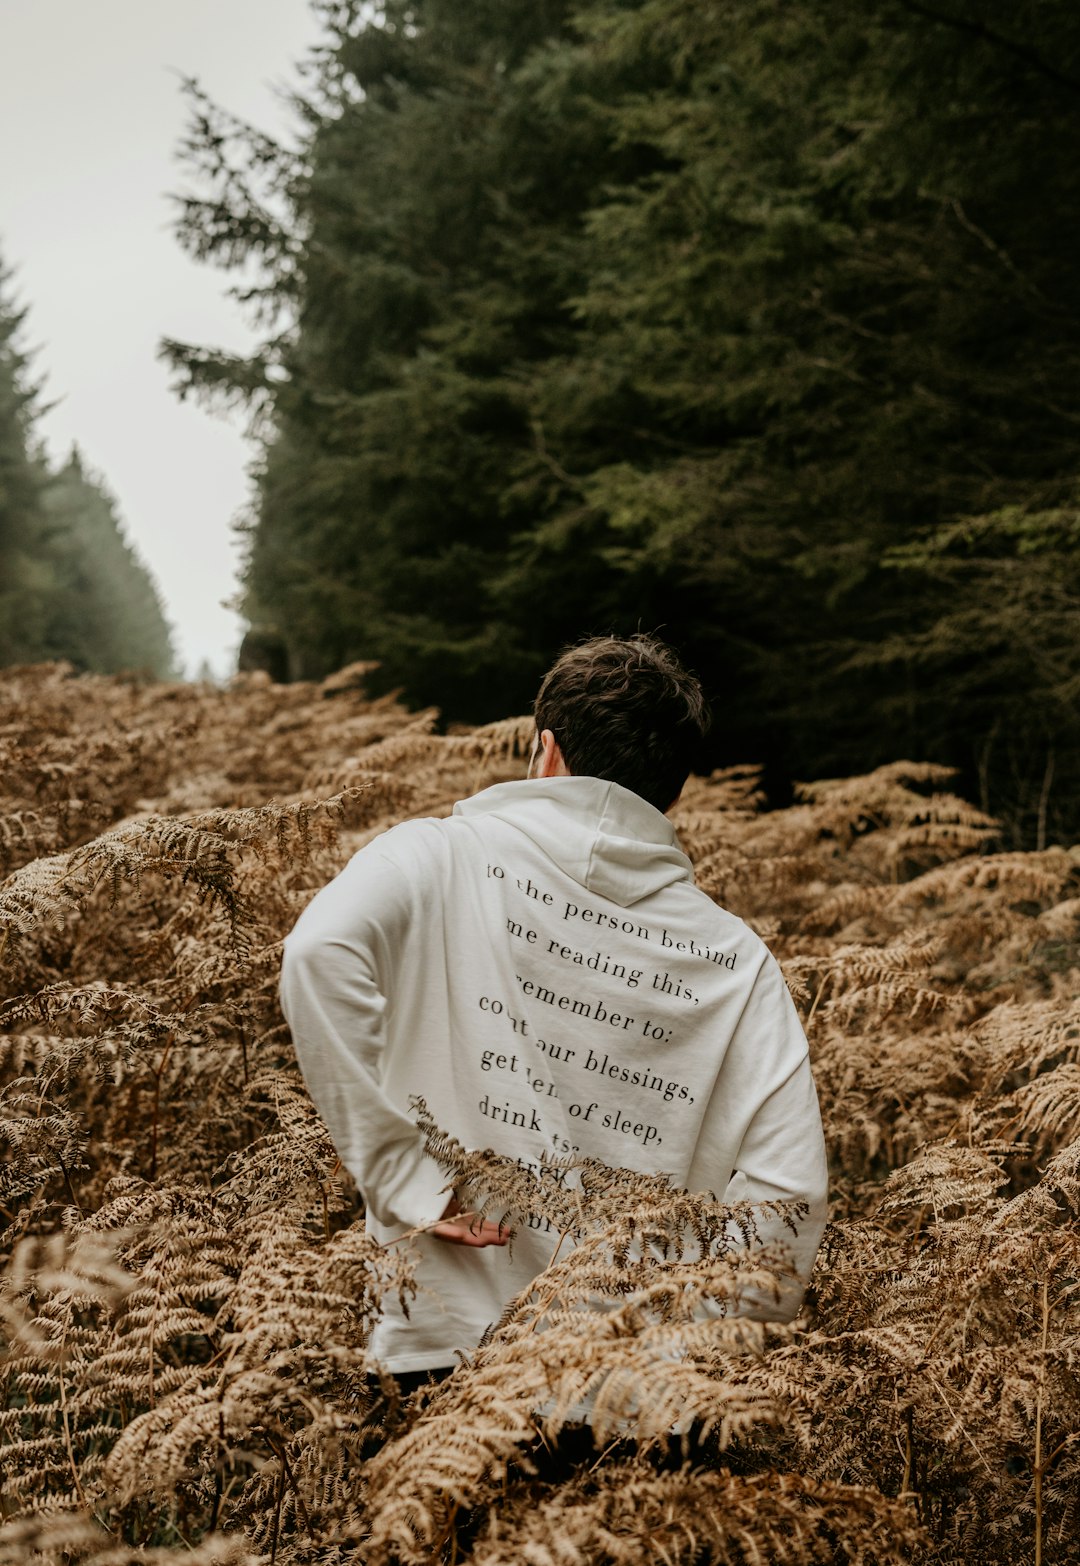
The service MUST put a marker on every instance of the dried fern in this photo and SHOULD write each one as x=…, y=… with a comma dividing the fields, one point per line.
x=189, y=1292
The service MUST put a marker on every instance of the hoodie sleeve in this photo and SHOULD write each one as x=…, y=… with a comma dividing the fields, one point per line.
x=337, y=977
x=776, y=1149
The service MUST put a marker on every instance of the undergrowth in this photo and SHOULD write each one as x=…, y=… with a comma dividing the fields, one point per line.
x=188, y=1288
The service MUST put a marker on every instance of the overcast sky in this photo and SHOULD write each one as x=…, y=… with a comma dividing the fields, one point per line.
x=91, y=114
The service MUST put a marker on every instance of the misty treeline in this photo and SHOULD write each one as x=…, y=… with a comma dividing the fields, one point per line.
x=71, y=586
x=758, y=322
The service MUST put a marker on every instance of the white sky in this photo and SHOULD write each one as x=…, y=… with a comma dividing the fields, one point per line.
x=91, y=115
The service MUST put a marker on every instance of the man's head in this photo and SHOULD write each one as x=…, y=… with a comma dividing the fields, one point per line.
x=624, y=709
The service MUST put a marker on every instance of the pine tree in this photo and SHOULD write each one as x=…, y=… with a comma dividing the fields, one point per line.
x=24, y=577
x=435, y=205
x=104, y=613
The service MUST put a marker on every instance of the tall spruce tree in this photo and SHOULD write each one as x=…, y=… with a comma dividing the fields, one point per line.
x=103, y=612
x=24, y=576
x=384, y=508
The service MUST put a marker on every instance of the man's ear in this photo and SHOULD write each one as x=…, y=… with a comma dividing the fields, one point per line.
x=551, y=763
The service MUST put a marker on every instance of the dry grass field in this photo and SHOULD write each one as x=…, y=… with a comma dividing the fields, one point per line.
x=188, y=1288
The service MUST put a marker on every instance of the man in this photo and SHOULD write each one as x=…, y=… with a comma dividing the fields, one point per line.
x=541, y=969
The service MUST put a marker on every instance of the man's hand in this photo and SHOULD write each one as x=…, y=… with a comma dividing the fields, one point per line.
x=458, y=1228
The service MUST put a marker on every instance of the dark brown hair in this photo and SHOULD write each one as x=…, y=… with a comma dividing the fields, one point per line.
x=624, y=708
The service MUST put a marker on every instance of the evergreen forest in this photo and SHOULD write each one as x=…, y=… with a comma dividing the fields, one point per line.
x=755, y=323
x=71, y=586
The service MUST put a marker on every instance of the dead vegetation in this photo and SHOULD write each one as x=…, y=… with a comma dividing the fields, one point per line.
x=189, y=1290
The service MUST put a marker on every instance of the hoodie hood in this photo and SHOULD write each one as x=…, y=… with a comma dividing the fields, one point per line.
x=604, y=836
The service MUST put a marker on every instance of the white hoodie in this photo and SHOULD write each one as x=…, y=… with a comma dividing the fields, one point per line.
x=542, y=970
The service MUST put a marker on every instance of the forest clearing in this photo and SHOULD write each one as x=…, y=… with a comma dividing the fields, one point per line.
x=189, y=1288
